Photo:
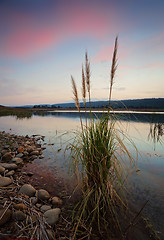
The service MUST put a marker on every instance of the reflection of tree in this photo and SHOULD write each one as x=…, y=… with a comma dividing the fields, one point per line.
x=156, y=132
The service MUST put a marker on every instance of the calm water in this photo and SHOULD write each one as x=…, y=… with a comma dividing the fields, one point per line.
x=146, y=130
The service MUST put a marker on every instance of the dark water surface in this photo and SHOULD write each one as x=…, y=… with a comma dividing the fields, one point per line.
x=146, y=130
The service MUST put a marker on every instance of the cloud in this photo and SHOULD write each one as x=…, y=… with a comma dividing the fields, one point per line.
x=24, y=35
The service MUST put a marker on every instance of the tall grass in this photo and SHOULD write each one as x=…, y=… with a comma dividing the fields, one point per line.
x=100, y=153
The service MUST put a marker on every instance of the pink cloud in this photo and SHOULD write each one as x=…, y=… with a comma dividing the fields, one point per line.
x=27, y=35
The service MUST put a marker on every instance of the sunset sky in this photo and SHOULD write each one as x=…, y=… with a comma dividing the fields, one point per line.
x=43, y=43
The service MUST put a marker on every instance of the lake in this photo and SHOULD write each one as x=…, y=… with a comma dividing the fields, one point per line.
x=145, y=129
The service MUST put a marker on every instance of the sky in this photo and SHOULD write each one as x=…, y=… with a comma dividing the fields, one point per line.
x=43, y=43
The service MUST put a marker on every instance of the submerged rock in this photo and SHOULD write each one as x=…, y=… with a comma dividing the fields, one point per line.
x=5, y=216
x=5, y=181
x=43, y=195
x=56, y=201
x=45, y=208
x=52, y=216
x=11, y=173
x=2, y=169
x=28, y=190
x=19, y=215
x=7, y=157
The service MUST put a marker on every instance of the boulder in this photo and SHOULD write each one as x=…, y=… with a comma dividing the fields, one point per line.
x=9, y=166
x=5, y=216
x=52, y=216
x=28, y=190
x=43, y=195
x=5, y=181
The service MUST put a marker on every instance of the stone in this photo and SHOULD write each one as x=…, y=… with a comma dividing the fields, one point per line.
x=11, y=173
x=20, y=149
x=30, y=149
x=45, y=208
x=43, y=195
x=56, y=201
x=38, y=205
x=7, y=157
x=28, y=190
x=17, y=160
x=41, y=156
x=33, y=200
x=9, y=166
x=2, y=169
x=52, y=216
x=20, y=206
x=5, y=216
x=34, y=153
x=33, y=157
x=5, y=181
x=19, y=215
x=19, y=155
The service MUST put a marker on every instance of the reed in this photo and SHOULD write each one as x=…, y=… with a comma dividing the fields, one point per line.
x=101, y=154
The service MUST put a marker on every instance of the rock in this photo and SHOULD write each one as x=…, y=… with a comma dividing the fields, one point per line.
x=34, y=153
x=5, y=216
x=33, y=157
x=30, y=149
x=28, y=190
x=2, y=169
x=41, y=156
x=7, y=157
x=20, y=149
x=11, y=173
x=20, y=206
x=33, y=200
x=51, y=234
x=19, y=215
x=45, y=208
x=56, y=201
x=52, y=216
x=9, y=166
x=5, y=181
x=43, y=195
x=3, y=152
x=17, y=160
x=19, y=155
x=38, y=205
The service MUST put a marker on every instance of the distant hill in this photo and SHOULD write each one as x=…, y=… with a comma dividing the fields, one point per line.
x=147, y=103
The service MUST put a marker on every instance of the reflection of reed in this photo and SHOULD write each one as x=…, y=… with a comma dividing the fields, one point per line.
x=156, y=132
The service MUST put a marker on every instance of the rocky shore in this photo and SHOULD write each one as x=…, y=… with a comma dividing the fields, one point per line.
x=25, y=212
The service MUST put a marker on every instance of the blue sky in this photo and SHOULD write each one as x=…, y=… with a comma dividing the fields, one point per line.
x=43, y=43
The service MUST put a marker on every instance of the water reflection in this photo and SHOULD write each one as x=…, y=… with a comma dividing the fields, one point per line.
x=156, y=132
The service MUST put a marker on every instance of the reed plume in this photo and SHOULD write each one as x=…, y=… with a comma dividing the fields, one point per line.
x=87, y=73
x=76, y=99
x=84, y=92
x=113, y=68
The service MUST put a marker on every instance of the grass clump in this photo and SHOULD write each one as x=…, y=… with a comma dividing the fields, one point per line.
x=101, y=161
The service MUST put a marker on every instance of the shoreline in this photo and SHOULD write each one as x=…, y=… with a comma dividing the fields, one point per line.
x=20, y=205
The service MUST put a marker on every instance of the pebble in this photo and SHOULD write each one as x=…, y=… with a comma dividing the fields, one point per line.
x=7, y=157
x=5, y=181
x=9, y=166
x=2, y=169
x=56, y=201
x=45, y=208
x=28, y=190
x=11, y=173
x=19, y=215
x=43, y=195
x=20, y=206
x=17, y=160
x=5, y=216
x=52, y=216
